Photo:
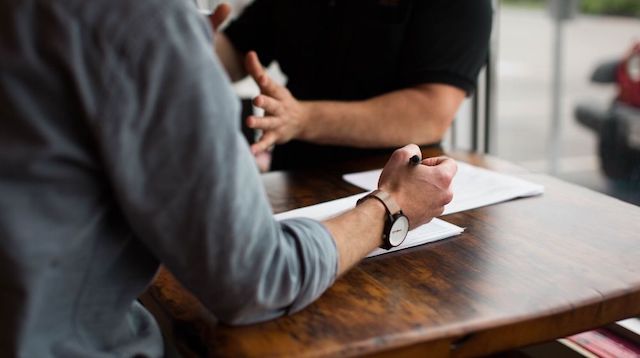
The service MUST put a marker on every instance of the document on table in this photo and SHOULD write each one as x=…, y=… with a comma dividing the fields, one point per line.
x=435, y=230
x=472, y=187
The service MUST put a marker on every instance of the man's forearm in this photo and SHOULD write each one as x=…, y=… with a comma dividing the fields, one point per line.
x=357, y=232
x=420, y=114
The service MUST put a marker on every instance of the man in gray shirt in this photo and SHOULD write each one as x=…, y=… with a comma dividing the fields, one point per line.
x=118, y=152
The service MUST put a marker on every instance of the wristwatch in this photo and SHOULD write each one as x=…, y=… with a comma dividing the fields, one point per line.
x=396, y=226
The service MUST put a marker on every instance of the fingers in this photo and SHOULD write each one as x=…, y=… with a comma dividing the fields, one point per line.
x=263, y=160
x=219, y=15
x=264, y=123
x=444, y=172
x=410, y=150
x=443, y=163
x=422, y=191
x=441, y=176
x=441, y=170
x=269, y=87
x=269, y=104
x=433, y=161
x=401, y=156
x=265, y=142
x=253, y=66
x=262, y=79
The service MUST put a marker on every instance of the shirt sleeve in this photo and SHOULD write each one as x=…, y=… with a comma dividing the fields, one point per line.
x=446, y=42
x=187, y=184
x=254, y=30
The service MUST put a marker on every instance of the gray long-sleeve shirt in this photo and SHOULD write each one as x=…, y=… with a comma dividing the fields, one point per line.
x=119, y=150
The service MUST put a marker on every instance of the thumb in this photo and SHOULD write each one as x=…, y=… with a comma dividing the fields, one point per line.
x=219, y=15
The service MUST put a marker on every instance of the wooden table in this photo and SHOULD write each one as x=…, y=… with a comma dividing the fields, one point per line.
x=523, y=272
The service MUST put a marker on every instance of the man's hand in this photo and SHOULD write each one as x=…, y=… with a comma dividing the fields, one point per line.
x=421, y=191
x=285, y=116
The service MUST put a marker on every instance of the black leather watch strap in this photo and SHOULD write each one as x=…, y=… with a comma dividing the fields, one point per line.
x=392, y=210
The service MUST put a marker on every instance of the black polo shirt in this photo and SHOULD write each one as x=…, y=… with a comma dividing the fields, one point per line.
x=357, y=49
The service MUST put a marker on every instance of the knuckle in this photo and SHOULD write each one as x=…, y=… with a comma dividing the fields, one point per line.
x=444, y=178
x=447, y=197
x=263, y=80
x=454, y=164
x=396, y=154
x=401, y=154
x=412, y=148
x=252, y=121
x=447, y=176
x=439, y=178
x=452, y=168
x=258, y=100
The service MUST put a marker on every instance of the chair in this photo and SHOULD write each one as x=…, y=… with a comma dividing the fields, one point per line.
x=483, y=102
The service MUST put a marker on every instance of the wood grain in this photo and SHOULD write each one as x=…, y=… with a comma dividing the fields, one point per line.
x=523, y=272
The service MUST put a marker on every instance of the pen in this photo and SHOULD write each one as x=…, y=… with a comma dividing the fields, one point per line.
x=415, y=160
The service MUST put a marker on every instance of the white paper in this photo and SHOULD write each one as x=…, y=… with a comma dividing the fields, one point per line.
x=472, y=187
x=435, y=230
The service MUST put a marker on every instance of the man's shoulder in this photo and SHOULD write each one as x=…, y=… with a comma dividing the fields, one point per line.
x=123, y=19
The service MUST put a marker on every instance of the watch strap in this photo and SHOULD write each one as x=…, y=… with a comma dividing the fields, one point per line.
x=391, y=205
x=386, y=200
x=393, y=211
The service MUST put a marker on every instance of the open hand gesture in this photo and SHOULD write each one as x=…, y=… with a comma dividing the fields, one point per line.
x=285, y=116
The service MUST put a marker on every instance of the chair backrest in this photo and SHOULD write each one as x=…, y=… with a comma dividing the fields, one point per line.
x=482, y=104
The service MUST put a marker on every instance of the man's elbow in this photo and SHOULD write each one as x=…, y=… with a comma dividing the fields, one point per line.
x=240, y=316
x=432, y=130
x=439, y=105
x=441, y=126
x=245, y=305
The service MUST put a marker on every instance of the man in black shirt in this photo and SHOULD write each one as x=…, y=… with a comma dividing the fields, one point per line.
x=363, y=75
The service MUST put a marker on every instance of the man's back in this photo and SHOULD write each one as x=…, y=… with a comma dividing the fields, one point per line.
x=119, y=149
x=70, y=267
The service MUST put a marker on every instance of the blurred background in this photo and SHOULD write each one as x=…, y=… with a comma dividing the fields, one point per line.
x=544, y=54
x=598, y=32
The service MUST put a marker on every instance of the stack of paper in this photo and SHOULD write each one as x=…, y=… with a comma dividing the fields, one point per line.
x=472, y=187
x=435, y=230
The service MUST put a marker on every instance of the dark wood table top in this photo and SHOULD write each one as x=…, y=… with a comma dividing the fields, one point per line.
x=523, y=272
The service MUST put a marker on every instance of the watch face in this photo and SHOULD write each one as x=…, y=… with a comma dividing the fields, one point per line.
x=399, y=230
